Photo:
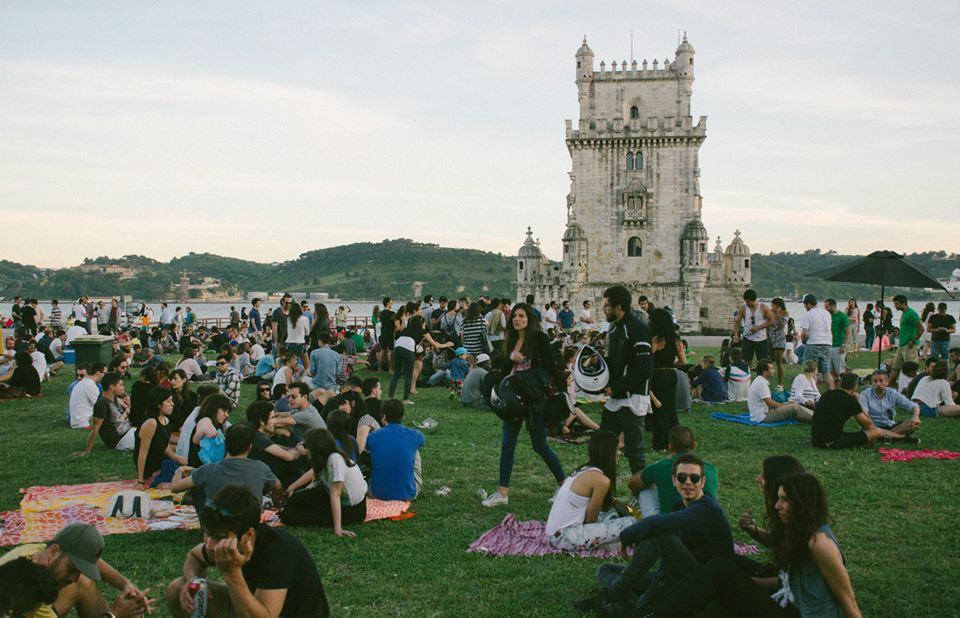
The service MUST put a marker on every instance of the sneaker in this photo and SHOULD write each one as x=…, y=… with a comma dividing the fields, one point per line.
x=494, y=499
x=911, y=439
x=408, y=402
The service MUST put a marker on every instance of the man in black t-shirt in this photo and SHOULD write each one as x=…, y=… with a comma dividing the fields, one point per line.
x=833, y=410
x=386, y=334
x=266, y=571
x=940, y=324
x=279, y=320
x=110, y=417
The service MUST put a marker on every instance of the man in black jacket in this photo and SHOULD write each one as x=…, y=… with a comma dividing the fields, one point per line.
x=630, y=363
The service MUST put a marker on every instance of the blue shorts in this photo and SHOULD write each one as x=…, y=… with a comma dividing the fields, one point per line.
x=819, y=353
x=926, y=410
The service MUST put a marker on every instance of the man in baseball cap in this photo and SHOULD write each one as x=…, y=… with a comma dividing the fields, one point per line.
x=73, y=560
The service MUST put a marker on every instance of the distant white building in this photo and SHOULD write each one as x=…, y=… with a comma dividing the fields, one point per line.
x=633, y=211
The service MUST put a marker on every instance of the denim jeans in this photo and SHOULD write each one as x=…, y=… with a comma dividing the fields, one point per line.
x=871, y=334
x=940, y=349
x=538, y=439
x=403, y=360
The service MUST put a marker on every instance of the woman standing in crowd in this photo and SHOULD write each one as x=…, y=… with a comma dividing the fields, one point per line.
x=297, y=328
x=473, y=331
x=574, y=523
x=928, y=309
x=868, y=328
x=152, y=452
x=405, y=351
x=853, y=314
x=335, y=494
x=777, y=334
x=525, y=348
x=321, y=324
x=813, y=579
x=375, y=320
x=667, y=354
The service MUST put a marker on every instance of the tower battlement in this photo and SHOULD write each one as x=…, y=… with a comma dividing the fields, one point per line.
x=651, y=127
x=636, y=70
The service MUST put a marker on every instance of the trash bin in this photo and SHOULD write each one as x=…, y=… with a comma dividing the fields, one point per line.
x=93, y=349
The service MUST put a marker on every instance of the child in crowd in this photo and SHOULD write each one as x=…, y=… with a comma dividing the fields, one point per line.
x=459, y=368
x=737, y=376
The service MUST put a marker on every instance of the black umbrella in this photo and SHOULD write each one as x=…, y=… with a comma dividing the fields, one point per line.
x=883, y=268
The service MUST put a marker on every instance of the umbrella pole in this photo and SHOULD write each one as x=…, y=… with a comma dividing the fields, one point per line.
x=880, y=342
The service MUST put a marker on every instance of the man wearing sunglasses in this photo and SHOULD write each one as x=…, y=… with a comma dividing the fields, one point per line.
x=227, y=379
x=754, y=317
x=694, y=533
x=266, y=571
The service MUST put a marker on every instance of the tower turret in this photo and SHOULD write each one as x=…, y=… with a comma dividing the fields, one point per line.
x=684, y=67
x=575, y=253
x=529, y=261
x=737, y=261
x=584, y=76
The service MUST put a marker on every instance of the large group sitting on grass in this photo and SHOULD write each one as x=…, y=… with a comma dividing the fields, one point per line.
x=318, y=441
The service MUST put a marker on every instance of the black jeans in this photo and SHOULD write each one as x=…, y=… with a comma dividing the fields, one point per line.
x=676, y=562
x=719, y=580
x=663, y=384
x=311, y=507
x=631, y=425
x=402, y=362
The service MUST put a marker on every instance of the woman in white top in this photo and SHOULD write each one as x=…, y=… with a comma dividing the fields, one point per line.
x=576, y=522
x=933, y=393
x=189, y=365
x=297, y=328
x=804, y=389
x=335, y=493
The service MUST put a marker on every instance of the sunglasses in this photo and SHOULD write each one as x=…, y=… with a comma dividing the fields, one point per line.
x=263, y=390
x=683, y=476
x=221, y=363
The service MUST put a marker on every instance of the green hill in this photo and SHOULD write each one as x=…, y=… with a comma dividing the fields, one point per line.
x=392, y=267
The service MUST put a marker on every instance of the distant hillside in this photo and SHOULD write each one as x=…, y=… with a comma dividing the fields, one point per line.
x=390, y=267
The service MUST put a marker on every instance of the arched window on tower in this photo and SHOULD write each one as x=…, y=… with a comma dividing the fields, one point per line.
x=634, y=247
x=638, y=161
x=629, y=161
x=634, y=113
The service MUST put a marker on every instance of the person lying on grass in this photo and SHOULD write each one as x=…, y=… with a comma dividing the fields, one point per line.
x=581, y=517
x=266, y=571
x=73, y=560
x=332, y=493
x=833, y=410
x=812, y=581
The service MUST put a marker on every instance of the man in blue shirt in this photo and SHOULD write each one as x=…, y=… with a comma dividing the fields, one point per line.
x=566, y=317
x=324, y=363
x=395, y=457
x=693, y=534
x=254, y=320
x=881, y=403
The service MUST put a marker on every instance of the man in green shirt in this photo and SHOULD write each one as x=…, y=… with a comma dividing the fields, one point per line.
x=911, y=330
x=660, y=475
x=840, y=329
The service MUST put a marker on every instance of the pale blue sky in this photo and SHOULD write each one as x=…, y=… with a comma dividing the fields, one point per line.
x=264, y=130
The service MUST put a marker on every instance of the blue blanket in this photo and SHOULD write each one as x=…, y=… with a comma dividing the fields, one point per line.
x=744, y=419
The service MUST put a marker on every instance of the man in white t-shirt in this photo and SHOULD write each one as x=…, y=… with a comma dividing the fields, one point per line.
x=84, y=396
x=763, y=409
x=587, y=323
x=816, y=332
x=550, y=317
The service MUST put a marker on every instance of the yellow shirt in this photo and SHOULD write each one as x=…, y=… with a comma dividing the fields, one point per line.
x=29, y=551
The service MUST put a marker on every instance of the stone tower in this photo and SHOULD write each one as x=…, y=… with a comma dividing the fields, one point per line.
x=634, y=208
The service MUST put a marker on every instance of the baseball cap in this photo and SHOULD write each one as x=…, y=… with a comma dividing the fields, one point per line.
x=809, y=299
x=460, y=351
x=83, y=544
x=482, y=358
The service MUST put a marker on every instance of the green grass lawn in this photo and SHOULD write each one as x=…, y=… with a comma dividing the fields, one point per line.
x=897, y=522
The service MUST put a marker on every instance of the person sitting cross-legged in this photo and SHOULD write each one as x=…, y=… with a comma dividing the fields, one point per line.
x=763, y=409
x=653, y=485
x=266, y=571
x=395, y=457
x=833, y=410
x=881, y=403
x=694, y=533
x=933, y=393
x=235, y=469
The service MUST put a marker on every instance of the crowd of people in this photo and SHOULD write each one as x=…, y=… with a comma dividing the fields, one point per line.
x=318, y=441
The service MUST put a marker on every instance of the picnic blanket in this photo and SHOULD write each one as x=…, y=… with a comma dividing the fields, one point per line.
x=744, y=419
x=526, y=538
x=574, y=437
x=44, y=510
x=898, y=454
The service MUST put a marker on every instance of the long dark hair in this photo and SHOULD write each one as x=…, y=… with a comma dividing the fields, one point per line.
x=775, y=468
x=339, y=423
x=661, y=325
x=295, y=313
x=210, y=405
x=602, y=453
x=808, y=511
x=149, y=375
x=473, y=312
x=184, y=394
x=533, y=327
x=320, y=443
x=155, y=399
